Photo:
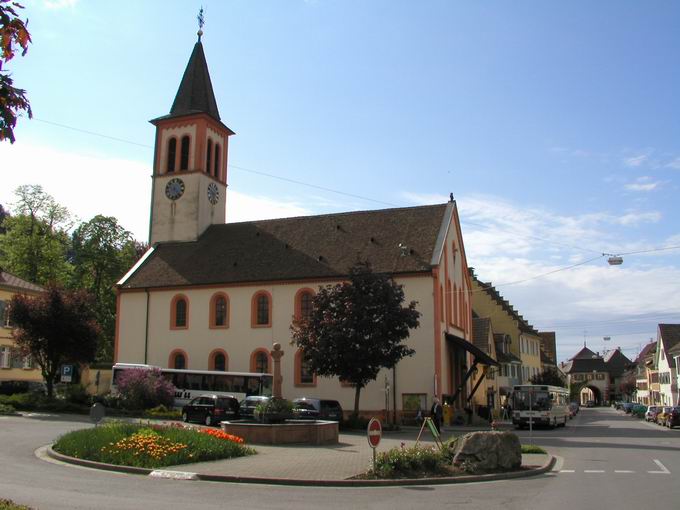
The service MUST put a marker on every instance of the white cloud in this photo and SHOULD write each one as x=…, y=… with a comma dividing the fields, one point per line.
x=91, y=184
x=674, y=164
x=634, y=218
x=643, y=183
x=635, y=161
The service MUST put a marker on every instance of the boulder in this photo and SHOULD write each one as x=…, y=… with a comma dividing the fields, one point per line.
x=488, y=451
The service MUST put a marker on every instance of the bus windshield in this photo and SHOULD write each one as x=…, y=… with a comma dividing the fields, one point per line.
x=540, y=401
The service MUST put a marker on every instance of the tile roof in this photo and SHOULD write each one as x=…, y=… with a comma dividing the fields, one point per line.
x=616, y=362
x=585, y=353
x=394, y=241
x=16, y=283
x=480, y=333
x=491, y=291
x=647, y=350
x=670, y=338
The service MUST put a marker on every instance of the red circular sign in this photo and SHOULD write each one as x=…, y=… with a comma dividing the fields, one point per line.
x=374, y=432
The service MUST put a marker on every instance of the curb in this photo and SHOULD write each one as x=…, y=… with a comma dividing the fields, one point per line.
x=525, y=473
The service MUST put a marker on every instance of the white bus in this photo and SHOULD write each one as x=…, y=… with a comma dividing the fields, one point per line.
x=192, y=383
x=543, y=404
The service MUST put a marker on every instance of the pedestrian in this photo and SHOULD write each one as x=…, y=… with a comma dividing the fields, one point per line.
x=437, y=414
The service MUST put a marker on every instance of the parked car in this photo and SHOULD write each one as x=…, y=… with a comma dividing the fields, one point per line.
x=328, y=409
x=673, y=418
x=590, y=403
x=573, y=409
x=211, y=409
x=662, y=415
x=304, y=410
x=247, y=406
x=627, y=407
x=651, y=413
x=639, y=410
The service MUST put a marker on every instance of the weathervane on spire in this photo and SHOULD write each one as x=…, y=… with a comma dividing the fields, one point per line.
x=201, y=22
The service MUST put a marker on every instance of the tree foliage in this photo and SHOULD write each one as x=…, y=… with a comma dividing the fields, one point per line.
x=101, y=252
x=144, y=389
x=628, y=384
x=356, y=328
x=550, y=376
x=54, y=328
x=13, y=35
x=35, y=244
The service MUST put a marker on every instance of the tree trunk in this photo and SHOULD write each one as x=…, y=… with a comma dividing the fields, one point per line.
x=357, y=391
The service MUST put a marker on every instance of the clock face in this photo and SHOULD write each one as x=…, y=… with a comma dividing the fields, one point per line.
x=174, y=189
x=213, y=193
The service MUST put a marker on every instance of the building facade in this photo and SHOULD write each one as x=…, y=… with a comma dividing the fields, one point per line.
x=210, y=295
x=14, y=367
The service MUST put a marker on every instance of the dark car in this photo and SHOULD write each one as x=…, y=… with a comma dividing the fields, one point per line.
x=627, y=407
x=590, y=403
x=211, y=409
x=248, y=405
x=303, y=410
x=328, y=409
x=673, y=417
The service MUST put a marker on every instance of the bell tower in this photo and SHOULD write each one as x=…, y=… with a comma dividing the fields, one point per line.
x=189, y=186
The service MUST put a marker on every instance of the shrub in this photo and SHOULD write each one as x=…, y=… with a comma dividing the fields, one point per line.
x=162, y=412
x=532, y=448
x=76, y=394
x=149, y=446
x=7, y=410
x=273, y=410
x=144, y=389
x=354, y=423
x=413, y=462
x=6, y=504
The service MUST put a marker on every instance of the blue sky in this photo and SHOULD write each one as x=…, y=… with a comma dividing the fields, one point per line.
x=556, y=126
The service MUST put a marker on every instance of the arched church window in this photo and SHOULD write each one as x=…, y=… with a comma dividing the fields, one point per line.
x=208, y=156
x=259, y=361
x=178, y=359
x=172, y=154
x=217, y=160
x=184, y=156
x=261, y=314
x=179, y=312
x=219, y=311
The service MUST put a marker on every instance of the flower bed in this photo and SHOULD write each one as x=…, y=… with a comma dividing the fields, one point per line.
x=150, y=446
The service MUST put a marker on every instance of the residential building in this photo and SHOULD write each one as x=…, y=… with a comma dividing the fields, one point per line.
x=510, y=367
x=525, y=341
x=14, y=367
x=485, y=390
x=641, y=376
x=210, y=295
x=668, y=337
x=548, y=350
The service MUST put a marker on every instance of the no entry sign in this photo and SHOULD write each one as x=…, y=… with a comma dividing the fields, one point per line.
x=374, y=432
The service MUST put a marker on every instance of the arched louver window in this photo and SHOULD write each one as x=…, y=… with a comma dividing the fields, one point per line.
x=184, y=157
x=208, y=156
x=217, y=160
x=180, y=362
x=180, y=313
x=220, y=362
x=261, y=363
x=172, y=154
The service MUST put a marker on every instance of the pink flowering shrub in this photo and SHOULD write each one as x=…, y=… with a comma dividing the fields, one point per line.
x=144, y=389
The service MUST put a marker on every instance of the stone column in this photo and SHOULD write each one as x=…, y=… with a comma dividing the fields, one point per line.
x=276, y=356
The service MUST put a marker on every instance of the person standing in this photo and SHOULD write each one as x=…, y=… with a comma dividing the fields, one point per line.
x=437, y=414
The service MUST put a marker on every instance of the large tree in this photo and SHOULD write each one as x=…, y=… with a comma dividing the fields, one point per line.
x=356, y=328
x=36, y=241
x=102, y=251
x=55, y=328
x=13, y=35
x=550, y=376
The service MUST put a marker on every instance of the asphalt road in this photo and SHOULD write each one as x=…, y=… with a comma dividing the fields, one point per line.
x=607, y=460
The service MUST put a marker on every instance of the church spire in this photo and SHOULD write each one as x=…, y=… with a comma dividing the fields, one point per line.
x=195, y=93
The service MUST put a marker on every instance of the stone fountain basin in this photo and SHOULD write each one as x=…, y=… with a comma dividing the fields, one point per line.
x=314, y=432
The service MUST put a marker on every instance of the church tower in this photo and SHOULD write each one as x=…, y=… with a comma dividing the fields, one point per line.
x=190, y=159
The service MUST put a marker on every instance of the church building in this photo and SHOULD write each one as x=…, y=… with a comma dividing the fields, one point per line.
x=211, y=295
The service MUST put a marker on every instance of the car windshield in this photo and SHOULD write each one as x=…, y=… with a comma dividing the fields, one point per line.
x=304, y=405
x=540, y=400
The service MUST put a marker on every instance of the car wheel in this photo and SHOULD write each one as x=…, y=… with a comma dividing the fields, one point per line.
x=185, y=417
x=208, y=420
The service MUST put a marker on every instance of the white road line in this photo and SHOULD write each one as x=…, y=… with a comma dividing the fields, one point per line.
x=664, y=469
x=623, y=471
x=567, y=471
x=593, y=470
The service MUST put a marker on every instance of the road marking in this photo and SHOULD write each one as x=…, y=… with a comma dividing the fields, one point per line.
x=664, y=469
x=593, y=470
x=567, y=471
x=623, y=471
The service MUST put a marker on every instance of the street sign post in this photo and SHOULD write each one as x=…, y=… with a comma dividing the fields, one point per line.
x=97, y=413
x=66, y=373
x=374, y=434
